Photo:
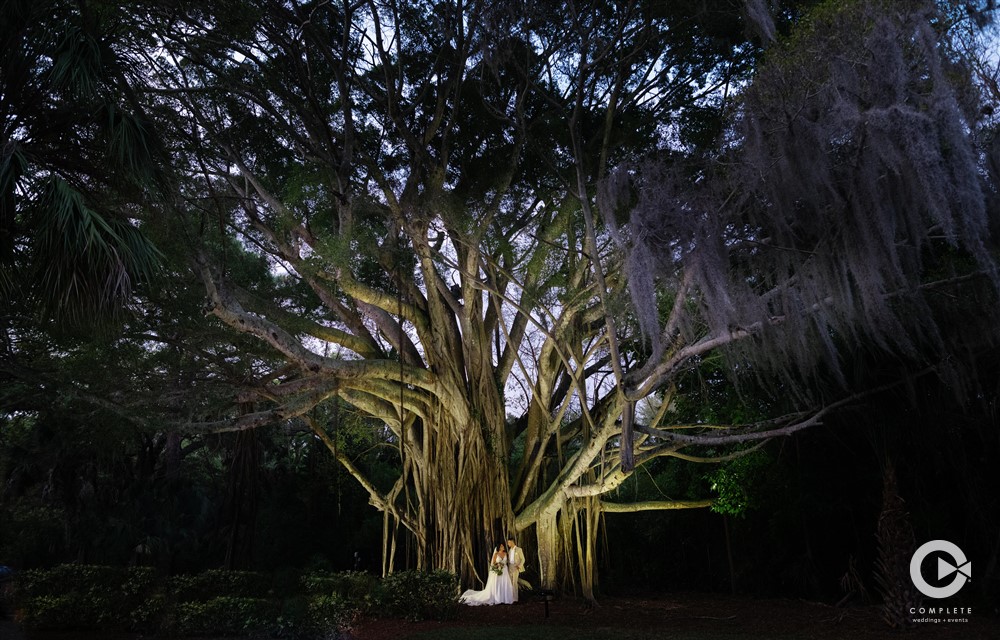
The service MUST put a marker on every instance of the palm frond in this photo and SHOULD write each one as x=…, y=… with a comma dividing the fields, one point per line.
x=76, y=63
x=13, y=166
x=87, y=264
x=131, y=146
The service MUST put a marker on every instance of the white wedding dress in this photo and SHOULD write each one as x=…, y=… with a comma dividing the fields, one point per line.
x=498, y=590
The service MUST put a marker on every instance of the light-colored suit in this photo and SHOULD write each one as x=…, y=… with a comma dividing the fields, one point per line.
x=515, y=564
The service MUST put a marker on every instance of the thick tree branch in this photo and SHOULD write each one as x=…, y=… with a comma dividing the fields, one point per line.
x=653, y=505
x=229, y=310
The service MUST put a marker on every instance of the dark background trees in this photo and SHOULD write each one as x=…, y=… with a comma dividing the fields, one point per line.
x=816, y=503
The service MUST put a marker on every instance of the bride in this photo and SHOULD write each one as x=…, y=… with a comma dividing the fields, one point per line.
x=498, y=589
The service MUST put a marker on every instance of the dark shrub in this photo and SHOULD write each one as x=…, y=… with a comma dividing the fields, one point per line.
x=216, y=583
x=315, y=617
x=355, y=587
x=419, y=595
x=81, y=596
x=316, y=605
x=226, y=615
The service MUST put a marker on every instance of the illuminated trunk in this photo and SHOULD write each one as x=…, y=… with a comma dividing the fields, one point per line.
x=456, y=494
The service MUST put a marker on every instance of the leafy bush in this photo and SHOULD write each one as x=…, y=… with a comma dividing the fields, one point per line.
x=353, y=586
x=738, y=483
x=330, y=612
x=294, y=619
x=419, y=595
x=226, y=615
x=216, y=583
x=314, y=605
x=97, y=597
x=55, y=612
x=81, y=596
x=314, y=617
x=82, y=577
x=152, y=615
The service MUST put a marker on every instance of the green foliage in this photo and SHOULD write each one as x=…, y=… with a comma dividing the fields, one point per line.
x=81, y=596
x=313, y=605
x=739, y=483
x=30, y=531
x=419, y=595
x=152, y=614
x=81, y=160
x=90, y=261
x=349, y=585
x=69, y=611
x=224, y=602
x=226, y=615
x=216, y=583
x=77, y=64
x=330, y=612
x=314, y=616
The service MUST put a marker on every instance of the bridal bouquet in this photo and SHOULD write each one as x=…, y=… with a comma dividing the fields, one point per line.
x=497, y=568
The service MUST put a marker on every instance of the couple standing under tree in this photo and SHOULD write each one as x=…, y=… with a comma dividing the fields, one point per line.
x=501, y=582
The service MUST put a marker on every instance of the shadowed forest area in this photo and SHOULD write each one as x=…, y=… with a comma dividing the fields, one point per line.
x=307, y=307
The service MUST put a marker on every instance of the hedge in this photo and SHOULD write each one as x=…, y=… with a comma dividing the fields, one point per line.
x=311, y=605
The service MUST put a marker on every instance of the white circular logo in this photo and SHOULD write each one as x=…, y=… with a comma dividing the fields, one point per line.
x=960, y=566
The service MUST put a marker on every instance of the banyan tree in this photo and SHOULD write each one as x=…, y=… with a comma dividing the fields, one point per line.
x=423, y=177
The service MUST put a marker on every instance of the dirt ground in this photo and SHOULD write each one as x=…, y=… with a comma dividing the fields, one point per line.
x=667, y=615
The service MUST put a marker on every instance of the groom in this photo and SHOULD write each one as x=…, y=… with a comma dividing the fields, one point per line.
x=515, y=562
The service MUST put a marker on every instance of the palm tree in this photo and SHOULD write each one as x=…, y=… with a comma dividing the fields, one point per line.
x=78, y=161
